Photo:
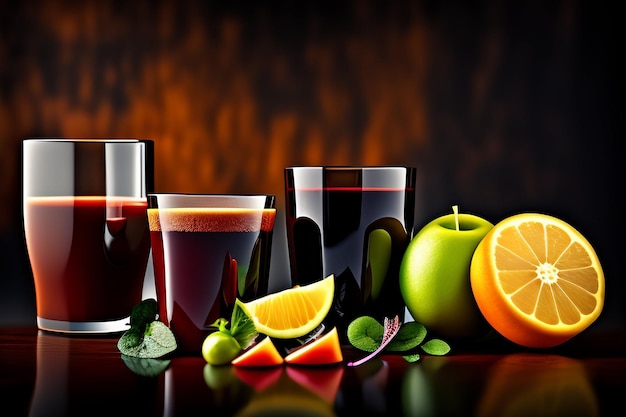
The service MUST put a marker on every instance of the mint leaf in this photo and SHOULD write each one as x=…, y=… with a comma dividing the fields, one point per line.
x=412, y=358
x=365, y=333
x=158, y=340
x=131, y=338
x=143, y=313
x=391, y=328
x=436, y=347
x=146, y=338
x=410, y=336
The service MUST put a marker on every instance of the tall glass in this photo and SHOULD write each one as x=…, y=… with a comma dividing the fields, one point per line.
x=86, y=230
x=355, y=223
x=215, y=248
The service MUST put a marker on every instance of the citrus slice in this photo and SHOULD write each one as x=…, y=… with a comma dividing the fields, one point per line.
x=263, y=353
x=293, y=312
x=323, y=351
x=537, y=280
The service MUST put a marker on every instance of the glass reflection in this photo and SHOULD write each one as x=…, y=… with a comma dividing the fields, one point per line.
x=72, y=378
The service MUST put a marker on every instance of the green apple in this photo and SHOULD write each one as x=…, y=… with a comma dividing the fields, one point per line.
x=435, y=276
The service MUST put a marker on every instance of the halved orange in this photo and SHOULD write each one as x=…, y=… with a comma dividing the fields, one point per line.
x=323, y=351
x=293, y=312
x=263, y=353
x=537, y=280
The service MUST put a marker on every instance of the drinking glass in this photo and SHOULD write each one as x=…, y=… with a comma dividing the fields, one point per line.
x=86, y=229
x=355, y=223
x=215, y=249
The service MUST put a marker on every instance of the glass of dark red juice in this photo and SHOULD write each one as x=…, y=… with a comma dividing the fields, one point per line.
x=208, y=250
x=354, y=223
x=86, y=229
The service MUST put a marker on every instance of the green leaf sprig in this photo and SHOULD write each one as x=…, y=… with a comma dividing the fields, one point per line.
x=241, y=326
x=147, y=337
x=367, y=334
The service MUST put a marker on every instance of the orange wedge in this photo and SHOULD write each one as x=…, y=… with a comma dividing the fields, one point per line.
x=263, y=353
x=293, y=312
x=323, y=351
x=537, y=280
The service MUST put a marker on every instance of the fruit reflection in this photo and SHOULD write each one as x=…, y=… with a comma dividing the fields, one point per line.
x=259, y=378
x=191, y=385
x=323, y=381
x=218, y=377
x=286, y=398
x=524, y=384
x=438, y=386
x=417, y=393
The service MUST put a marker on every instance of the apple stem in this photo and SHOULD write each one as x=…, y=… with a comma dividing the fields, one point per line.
x=455, y=209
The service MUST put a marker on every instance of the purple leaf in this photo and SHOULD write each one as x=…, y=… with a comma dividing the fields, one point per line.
x=390, y=329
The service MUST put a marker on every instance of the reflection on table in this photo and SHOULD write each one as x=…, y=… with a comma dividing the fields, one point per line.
x=78, y=375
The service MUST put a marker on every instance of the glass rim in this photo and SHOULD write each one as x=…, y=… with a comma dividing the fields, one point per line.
x=86, y=140
x=349, y=167
x=189, y=200
x=204, y=195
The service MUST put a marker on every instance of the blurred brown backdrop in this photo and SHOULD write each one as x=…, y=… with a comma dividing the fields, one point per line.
x=502, y=107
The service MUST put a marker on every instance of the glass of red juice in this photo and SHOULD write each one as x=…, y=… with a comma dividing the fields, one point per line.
x=354, y=223
x=86, y=229
x=208, y=250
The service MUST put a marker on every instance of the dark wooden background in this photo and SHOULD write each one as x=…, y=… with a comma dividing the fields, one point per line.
x=503, y=107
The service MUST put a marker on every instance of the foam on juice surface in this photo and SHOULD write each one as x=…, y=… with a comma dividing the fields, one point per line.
x=153, y=220
x=216, y=219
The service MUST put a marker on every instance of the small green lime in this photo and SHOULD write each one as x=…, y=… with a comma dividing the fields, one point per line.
x=220, y=348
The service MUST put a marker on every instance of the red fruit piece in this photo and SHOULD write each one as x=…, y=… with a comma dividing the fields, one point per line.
x=325, y=350
x=263, y=353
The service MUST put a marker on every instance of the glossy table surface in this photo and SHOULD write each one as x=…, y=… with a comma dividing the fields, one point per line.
x=48, y=374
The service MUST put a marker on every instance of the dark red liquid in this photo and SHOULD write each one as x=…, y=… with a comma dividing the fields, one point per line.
x=211, y=257
x=328, y=233
x=86, y=267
